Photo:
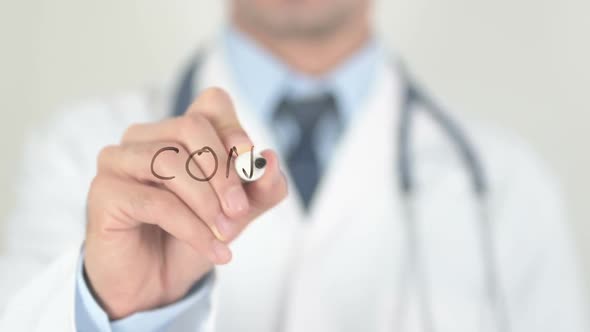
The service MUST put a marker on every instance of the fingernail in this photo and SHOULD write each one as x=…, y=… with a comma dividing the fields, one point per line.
x=225, y=226
x=217, y=233
x=236, y=200
x=221, y=251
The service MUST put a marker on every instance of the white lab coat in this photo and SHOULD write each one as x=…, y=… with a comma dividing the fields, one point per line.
x=337, y=271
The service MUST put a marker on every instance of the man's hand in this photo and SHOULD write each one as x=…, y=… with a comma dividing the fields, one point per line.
x=149, y=240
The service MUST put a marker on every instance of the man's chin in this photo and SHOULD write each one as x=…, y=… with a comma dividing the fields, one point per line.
x=299, y=20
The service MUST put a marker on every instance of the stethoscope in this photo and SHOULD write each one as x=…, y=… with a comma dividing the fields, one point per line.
x=412, y=97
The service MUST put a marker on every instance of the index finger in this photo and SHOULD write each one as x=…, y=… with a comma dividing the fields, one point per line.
x=216, y=105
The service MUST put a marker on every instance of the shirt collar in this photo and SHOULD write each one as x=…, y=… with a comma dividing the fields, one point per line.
x=264, y=79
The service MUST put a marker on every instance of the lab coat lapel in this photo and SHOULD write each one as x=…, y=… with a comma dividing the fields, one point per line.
x=362, y=162
x=352, y=244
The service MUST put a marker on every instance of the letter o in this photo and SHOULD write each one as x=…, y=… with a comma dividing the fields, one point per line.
x=199, y=152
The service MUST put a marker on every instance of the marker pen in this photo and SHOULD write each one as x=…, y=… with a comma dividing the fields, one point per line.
x=250, y=165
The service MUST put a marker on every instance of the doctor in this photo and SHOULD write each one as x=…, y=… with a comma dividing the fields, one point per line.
x=350, y=248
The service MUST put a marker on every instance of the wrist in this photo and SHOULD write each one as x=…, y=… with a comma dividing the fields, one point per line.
x=118, y=300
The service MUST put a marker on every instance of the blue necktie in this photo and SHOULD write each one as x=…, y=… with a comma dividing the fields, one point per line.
x=302, y=159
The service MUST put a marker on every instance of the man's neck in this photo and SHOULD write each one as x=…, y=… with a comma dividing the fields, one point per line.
x=314, y=56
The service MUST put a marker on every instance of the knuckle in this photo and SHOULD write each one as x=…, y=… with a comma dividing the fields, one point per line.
x=189, y=125
x=237, y=135
x=214, y=103
x=95, y=186
x=215, y=95
x=98, y=182
x=168, y=160
x=105, y=156
x=97, y=190
x=166, y=164
x=140, y=149
x=130, y=131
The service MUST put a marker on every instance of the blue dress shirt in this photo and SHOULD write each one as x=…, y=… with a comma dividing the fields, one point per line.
x=262, y=80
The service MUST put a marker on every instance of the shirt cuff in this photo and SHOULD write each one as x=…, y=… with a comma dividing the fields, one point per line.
x=92, y=318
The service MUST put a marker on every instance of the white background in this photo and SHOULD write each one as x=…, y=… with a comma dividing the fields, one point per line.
x=519, y=64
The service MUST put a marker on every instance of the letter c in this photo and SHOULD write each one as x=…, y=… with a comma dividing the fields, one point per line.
x=168, y=148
